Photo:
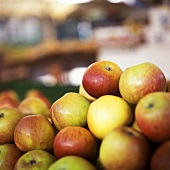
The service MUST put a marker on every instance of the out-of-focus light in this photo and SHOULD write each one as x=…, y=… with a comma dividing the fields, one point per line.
x=128, y=2
x=74, y=1
x=48, y=80
x=75, y=75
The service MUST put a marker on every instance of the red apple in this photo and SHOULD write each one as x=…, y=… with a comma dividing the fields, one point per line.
x=141, y=79
x=35, y=159
x=34, y=132
x=101, y=78
x=125, y=148
x=72, y=162
x=161, y=157
x=152, y=115
x=74, y=140
x=38, y=93
x=9, y=154
x=9, y=117
x=7, y=102
x=34, y=105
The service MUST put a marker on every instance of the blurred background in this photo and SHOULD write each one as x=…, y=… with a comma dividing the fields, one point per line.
x=48, y=44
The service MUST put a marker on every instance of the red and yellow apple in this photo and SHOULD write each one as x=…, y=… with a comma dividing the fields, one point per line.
x=9, y=154
x=160, y=157
x=152, y=116
x=125, y=148
x=35, y=159
x=138, y=80
x=34, y=132
x=9, y=117
x=101, y=78
x=70, y=110
x=34, y=106
x=75, y=140
x=72, y=162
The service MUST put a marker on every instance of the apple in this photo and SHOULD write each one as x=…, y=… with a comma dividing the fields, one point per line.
x=161, y=156
x=75, y=140
x=7, y=102
x=70, y=110
x=138, y=80
x=9, y=117
x=34, y=105
x=38, y=93
x=34, y=132
x=152, y=115
x=35, y=159
x=168, y=86
x=85, y=94
x=106, y=113
x=125, y=148
x=72, y=162
x=102, y=78
x=9, y=154
x=12, y=94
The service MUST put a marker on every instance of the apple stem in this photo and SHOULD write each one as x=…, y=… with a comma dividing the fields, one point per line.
x=32, y=162
x=1, y=115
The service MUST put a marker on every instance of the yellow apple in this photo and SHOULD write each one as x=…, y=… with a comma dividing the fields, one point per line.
x=85, y=94
x=106, y=113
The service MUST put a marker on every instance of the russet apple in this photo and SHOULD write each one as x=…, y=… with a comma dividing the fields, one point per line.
x=72, y=162
x=138, y=80
x=9, y=154
x=34, y=160
x=70, y=110
x=34, y=106
x=34, y=132
x=161, y=157
x=106, y=113
x=75, y=140
x=152, y=115
x=9, y=117
x=125, y=148
x=101, y=78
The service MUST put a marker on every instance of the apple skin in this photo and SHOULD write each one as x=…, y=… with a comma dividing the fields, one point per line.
x=138, y=80
x=37, y=93
x=160, y=158
x=9, y=117
x=34, y=105
x=34, y=132
x=9, y=154
x=72, y=162
x=74, y=140
x=70, y=110
x=101, y=78
x=125, y=148
x=35, y=159
x=152, y=116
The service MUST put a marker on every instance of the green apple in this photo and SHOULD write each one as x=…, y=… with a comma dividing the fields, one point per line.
x=34, y=132
x=138, y=80
x=70, y=110
x=34, y=106
x=152, y=116
x=35, y=160
x=9, y=154
x=160, y=157
x=75, y=140
x=72, y=162
x=102, y=78
x=9, y=117
x=125, y=148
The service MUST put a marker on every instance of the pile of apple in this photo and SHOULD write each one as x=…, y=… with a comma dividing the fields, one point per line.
x=118, y=120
